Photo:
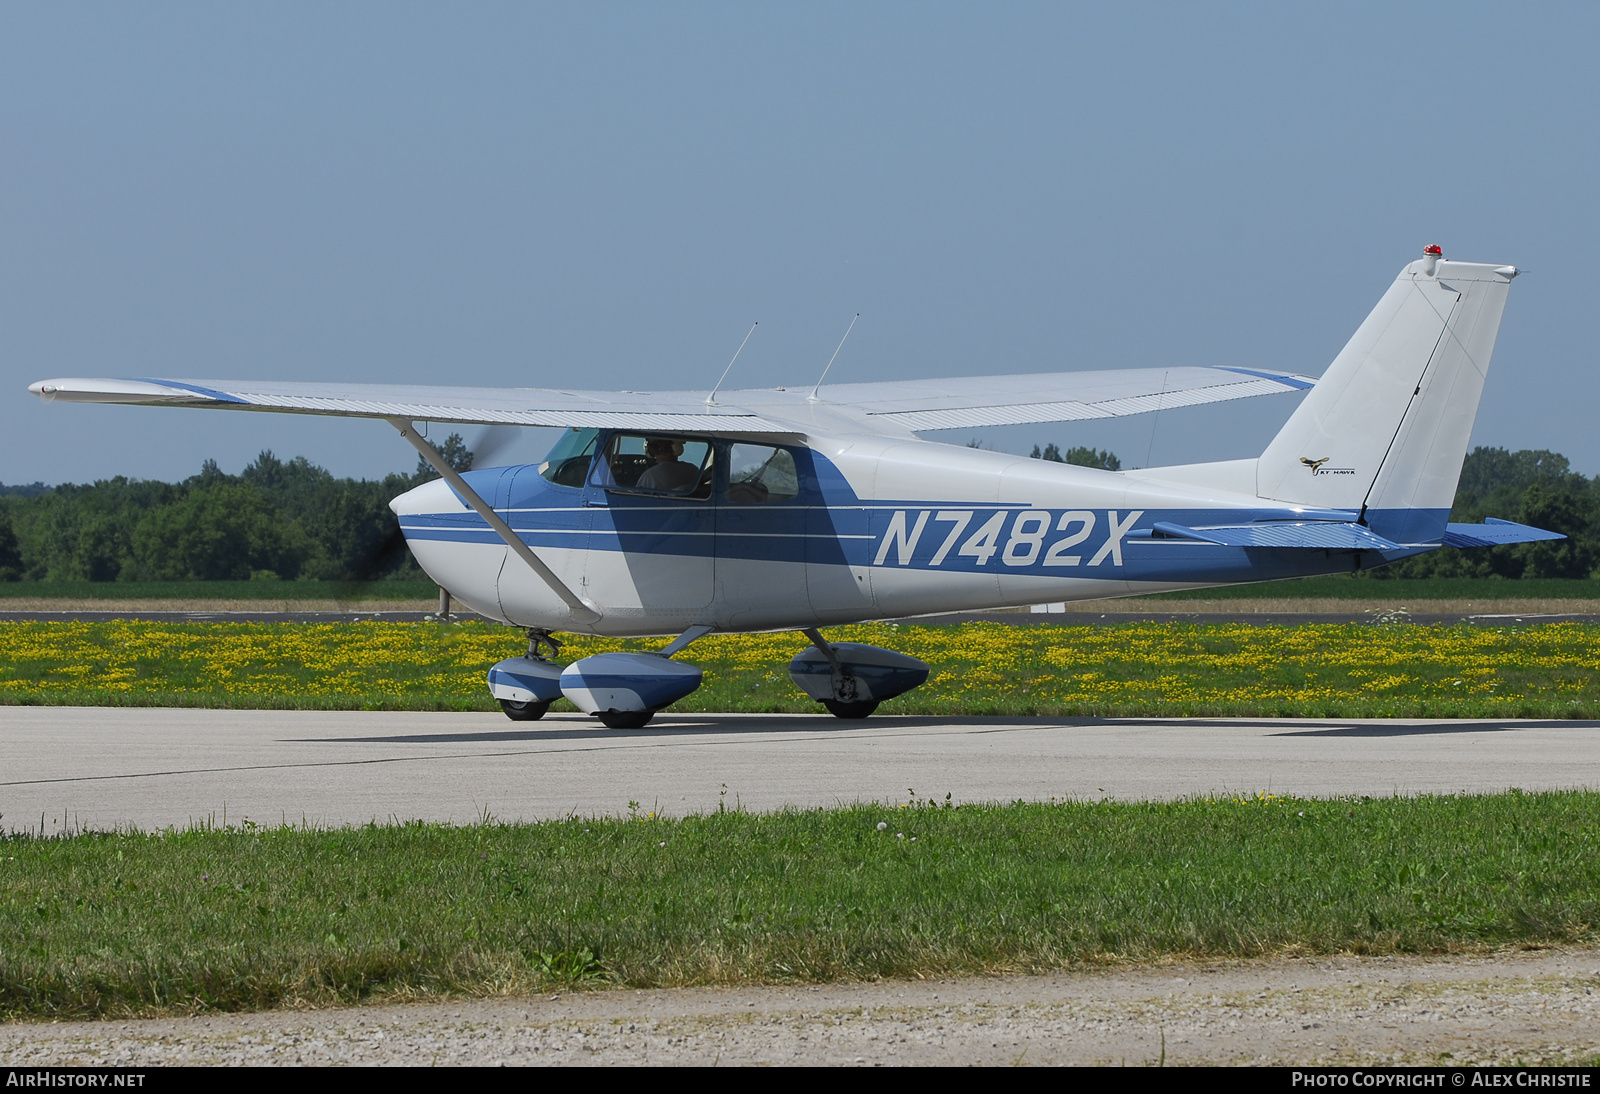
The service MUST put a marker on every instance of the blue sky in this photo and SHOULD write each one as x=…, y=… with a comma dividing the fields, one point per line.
x=610, y=194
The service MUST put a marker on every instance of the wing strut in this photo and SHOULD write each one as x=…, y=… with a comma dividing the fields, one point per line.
x=581, y=612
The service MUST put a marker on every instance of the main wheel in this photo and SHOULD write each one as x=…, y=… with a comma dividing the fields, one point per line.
x=625, y=719
x=530, y=711
x=859, y=709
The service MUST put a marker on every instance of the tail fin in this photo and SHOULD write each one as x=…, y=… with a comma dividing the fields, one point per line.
x=1385, y=430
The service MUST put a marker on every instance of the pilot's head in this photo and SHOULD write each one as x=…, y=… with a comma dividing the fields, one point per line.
x=661, y=448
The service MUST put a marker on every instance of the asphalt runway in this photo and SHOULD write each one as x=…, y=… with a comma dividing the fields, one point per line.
x=104, y=767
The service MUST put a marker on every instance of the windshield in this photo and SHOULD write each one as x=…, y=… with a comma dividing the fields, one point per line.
x=568, y=462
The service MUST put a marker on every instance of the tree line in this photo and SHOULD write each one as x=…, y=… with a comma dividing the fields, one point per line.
x=292, y=519
x=275, y=519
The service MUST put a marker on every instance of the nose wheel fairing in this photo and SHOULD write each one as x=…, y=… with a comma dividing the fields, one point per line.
x=525, y=680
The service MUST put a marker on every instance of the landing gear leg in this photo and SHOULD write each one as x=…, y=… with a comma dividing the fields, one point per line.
x=539, y=638
x=844, y=703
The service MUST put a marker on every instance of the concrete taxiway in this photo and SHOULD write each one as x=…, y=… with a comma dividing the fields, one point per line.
x=102, y=767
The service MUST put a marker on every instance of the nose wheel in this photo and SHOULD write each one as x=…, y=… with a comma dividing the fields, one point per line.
x=530, y=711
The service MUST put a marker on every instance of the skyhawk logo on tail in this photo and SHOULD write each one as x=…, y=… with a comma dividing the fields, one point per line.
x=1318, y=470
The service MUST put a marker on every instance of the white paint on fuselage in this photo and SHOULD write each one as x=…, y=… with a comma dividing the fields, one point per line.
x=471, y=571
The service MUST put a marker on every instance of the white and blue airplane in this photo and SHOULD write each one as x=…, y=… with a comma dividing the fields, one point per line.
x=681, y=513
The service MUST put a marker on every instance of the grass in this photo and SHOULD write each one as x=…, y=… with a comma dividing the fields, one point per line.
x=1135, y=669
x=206, y=919
x=112, y=591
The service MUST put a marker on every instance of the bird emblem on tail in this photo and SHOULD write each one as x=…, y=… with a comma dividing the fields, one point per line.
x=1314, y=464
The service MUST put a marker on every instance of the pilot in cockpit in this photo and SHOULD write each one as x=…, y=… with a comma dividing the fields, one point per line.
x=668, y=473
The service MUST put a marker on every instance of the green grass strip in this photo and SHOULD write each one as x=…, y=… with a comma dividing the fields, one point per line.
x=1136, y=670
x=112, y=924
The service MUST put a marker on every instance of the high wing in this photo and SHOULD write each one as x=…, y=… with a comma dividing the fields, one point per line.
x=669, y=410
x=895, y=407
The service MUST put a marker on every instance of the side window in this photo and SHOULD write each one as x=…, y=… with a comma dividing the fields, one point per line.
x=760, y=473
x=653, y=464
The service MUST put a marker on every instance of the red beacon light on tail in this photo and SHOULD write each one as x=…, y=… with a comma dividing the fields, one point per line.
x=1434, y=250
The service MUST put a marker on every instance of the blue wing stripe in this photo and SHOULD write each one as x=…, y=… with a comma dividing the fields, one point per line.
x=1282, y=378
x=210, y=393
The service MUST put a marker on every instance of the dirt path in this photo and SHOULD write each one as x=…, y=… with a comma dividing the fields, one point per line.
x=1527, y=1007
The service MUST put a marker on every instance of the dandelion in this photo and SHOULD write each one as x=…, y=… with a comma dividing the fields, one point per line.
x=883, y=826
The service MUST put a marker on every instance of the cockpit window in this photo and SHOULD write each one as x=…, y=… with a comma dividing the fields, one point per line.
x=568, y=462
x=654, y=464
x=761, y=473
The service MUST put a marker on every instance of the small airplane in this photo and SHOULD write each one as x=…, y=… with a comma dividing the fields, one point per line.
x=681, y=513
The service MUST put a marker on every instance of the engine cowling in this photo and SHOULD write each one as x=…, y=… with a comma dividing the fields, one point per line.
x=869, y=674
x=626, y=682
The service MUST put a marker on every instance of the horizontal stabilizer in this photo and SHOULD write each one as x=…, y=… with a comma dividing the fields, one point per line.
x=1322, y=535
x=1494, y=533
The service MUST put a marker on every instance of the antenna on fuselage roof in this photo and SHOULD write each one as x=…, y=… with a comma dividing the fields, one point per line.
x=711, y=400
x=813, y=396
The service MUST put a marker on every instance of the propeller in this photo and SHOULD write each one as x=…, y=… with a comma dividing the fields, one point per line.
x=387, y=550
x=491, y=441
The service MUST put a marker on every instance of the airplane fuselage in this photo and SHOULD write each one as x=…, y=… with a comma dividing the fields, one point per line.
x=856, y=528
